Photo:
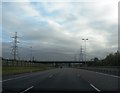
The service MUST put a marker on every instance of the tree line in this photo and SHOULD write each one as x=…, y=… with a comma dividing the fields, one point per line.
x=112, y=59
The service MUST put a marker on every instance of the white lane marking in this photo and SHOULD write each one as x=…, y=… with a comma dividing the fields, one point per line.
x=20, y=77
x=108, y=75
x=50, y=76
x=27, y=89
x=15, y=78
x=95, y=87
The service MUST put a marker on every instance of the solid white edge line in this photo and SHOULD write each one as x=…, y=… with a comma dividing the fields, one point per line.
x=20, y=77
x=95, y=87
x=108, y=75
x=15, y=78
x=27, y=89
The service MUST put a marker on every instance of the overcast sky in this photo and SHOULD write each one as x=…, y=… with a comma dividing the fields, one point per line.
x=55, y=29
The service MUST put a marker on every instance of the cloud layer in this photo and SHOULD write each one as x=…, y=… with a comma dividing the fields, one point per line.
x=58, y=28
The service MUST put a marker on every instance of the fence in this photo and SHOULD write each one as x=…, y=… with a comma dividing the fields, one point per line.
x=21, y=63
x=107, y=70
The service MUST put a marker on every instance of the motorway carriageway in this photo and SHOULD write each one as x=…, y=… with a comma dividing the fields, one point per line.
x=59, y=80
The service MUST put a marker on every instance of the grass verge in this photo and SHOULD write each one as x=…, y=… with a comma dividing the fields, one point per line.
x=19, y=70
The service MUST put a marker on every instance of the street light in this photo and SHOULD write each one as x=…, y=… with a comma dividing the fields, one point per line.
x=85, y=48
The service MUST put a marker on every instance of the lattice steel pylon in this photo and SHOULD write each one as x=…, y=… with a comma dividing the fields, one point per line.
x=81, y=54
x=14, y=51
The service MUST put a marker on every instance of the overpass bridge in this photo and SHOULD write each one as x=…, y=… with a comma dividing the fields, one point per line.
x=82, y=62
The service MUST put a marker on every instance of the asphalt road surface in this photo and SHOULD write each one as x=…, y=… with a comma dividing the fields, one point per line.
x=61, y=79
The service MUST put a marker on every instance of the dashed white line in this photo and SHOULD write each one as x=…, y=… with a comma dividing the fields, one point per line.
x=108, y=75
x=95, y=87
x=50, y=76
x=27, y=89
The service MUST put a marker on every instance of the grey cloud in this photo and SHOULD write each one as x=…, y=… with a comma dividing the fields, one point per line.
x=41, y=54
x=49, y=40
x=103, y=25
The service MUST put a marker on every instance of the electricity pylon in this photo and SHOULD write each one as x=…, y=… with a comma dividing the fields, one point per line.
x=81, y=54
x=14, y=51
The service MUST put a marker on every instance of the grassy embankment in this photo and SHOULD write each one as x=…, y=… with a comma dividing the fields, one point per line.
x=19, y=70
